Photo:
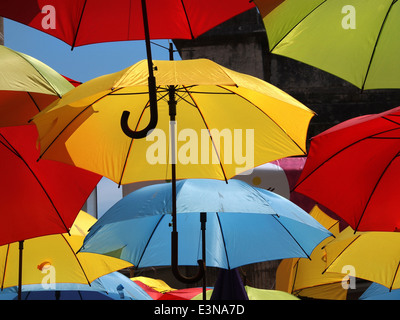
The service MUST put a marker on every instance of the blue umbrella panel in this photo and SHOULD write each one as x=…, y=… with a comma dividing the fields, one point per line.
x=244, y=225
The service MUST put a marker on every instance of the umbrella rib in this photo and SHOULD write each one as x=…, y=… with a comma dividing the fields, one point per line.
x=340, y=253
x=79, y=24
x=76, y=257
x=68, y=124
x=376, y=44
x=5, y=266
x=16, y=153
x=295, y=240
x=33, y=100
x=148, y=241
x=223, y=240
x=131, y=143
x=295, y=275
x=284, y=36
x=339, y=151
x=187, y=19
x=394, y=277
x=209, y=133
x=304, y=151
x=374, y=189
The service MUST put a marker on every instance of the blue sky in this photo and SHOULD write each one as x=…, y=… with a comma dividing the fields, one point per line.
x=82, y=64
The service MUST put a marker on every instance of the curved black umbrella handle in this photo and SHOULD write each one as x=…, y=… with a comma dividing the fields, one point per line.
x=153, y=115
x=174, y=263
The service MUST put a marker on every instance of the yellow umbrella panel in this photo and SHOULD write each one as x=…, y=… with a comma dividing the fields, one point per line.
x=52, y=259
x=305, y=277
x=372, y=256
x=226, y=123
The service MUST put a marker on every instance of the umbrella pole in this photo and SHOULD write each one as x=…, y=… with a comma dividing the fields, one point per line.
x=203, y=220
x=21, y=249
x=174, y=233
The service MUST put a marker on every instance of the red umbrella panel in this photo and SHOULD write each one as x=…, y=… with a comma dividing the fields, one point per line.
x=37, y=197
x=354, y=170
x=82, y=22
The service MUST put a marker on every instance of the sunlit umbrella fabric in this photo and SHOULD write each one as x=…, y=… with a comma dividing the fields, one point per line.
x=227, y=122
x=244, y=225
x=355, y=40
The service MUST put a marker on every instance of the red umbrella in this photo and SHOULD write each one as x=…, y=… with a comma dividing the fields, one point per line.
x=353, y=169
x=81, y=22
x=182, y=294
x=37, y=197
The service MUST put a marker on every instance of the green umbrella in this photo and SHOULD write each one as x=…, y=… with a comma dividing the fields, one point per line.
x=356, y=40
x=27, y=86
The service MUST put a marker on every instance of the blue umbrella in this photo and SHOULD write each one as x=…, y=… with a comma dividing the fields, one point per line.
x=244, y=225
x=113, y=286
x=377, y=291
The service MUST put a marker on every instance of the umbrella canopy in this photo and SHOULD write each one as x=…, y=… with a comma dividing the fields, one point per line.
x=38, y=198
x=74, y=21
x=304, y=277
x=377, y=291
x=357, y=41
x=226, y=123
x=244, y=225
x=26, y=87
x=353, y=169
x=154, y=284
x=112, y=286
x=257, y=294
x=372, y=255
x=52, y=259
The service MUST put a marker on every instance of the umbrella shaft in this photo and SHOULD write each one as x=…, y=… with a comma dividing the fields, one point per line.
x=21, y=248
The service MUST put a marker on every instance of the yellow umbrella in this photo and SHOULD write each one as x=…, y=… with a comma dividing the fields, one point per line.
x=212, y=123
x=256, y=294
x=372, y=256
x=227, y=123
x=27, y=86
x=303, y=277
x=53, y=259
x=156, y=284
